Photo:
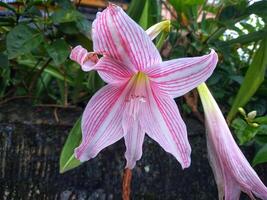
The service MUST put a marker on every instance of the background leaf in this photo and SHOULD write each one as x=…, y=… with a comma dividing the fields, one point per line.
x=261, y=156
x=59, y=50
x=22, y=39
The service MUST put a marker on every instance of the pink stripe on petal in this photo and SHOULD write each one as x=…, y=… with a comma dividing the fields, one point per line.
x=162, y=122
x=115, y=34
x=179, y=76
x=101, y=122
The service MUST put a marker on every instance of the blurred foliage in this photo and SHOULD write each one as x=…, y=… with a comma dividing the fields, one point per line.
x=35, y=42
x=36, y=38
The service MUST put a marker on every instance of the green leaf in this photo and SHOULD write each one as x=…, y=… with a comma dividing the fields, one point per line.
x=4, y=74
x=261, y=156
x=58, y=51
x=258, y=8
x=244, y=39
x=147, y=12
x=182, y=5
x=230, y=13
x=22, y=39
x=67, y=159
x=242, y=130
x=253, y=79
x=3, y=60
x=52, y=70
x=66, y=15
x=77, y=39
x=261, y=120
x=135, y=9
x=42, y=84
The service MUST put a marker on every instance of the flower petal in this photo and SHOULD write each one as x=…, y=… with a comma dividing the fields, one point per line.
x=110, y=70
x=115, y=34
x=134, y=139
x=235, y=167
x=86, y=59
x=162, y=122
x=179, y=76
x=101, y=122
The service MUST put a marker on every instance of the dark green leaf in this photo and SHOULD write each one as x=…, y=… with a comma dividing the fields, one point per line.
x=3, y=60
x=258, y=8
x=68, y=15
x=243, y=131
x=182, y=5
x=135, y=9
x=244, y=39
x=67, y=159
x=58, y=51
x=261, y=120
x=150, y=14
x=43, y=84
x=22, y=39
x=261, y=156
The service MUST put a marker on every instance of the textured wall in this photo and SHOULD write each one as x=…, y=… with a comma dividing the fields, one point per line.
x=30, y=144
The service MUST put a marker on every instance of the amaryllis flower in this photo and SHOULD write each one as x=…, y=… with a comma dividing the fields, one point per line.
x=138, y=97
x=231, y=169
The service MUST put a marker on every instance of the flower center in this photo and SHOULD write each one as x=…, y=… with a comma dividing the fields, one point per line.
x=136, y=94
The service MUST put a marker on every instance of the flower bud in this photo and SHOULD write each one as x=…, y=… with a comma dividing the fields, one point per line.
x=242, y=111
x=252, y=114
x=156, y=29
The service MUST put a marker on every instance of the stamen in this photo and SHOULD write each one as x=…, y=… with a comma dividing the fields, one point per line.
x=137, y=94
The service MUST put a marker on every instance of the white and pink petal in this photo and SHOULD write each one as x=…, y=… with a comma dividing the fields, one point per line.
x=179, y=76
x=110, y=70
x=134, y=138
x=101, y=122
x=162, y=122
x=115, y=34
x=238, y=175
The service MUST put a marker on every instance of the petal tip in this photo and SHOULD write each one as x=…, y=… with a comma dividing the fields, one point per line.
x=186, y=164
x=78, y=54
x=78, y=154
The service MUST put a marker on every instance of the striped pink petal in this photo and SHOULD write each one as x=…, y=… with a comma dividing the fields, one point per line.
x=134, y=139
x=161, y=120
x=86, y=59
x=115, y=34
x=101, y=122
x=232, y=171
x=179, y=76
x=110, y=70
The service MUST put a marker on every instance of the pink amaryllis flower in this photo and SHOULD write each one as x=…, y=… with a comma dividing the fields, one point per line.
x=138, y=97
x=231, y=169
